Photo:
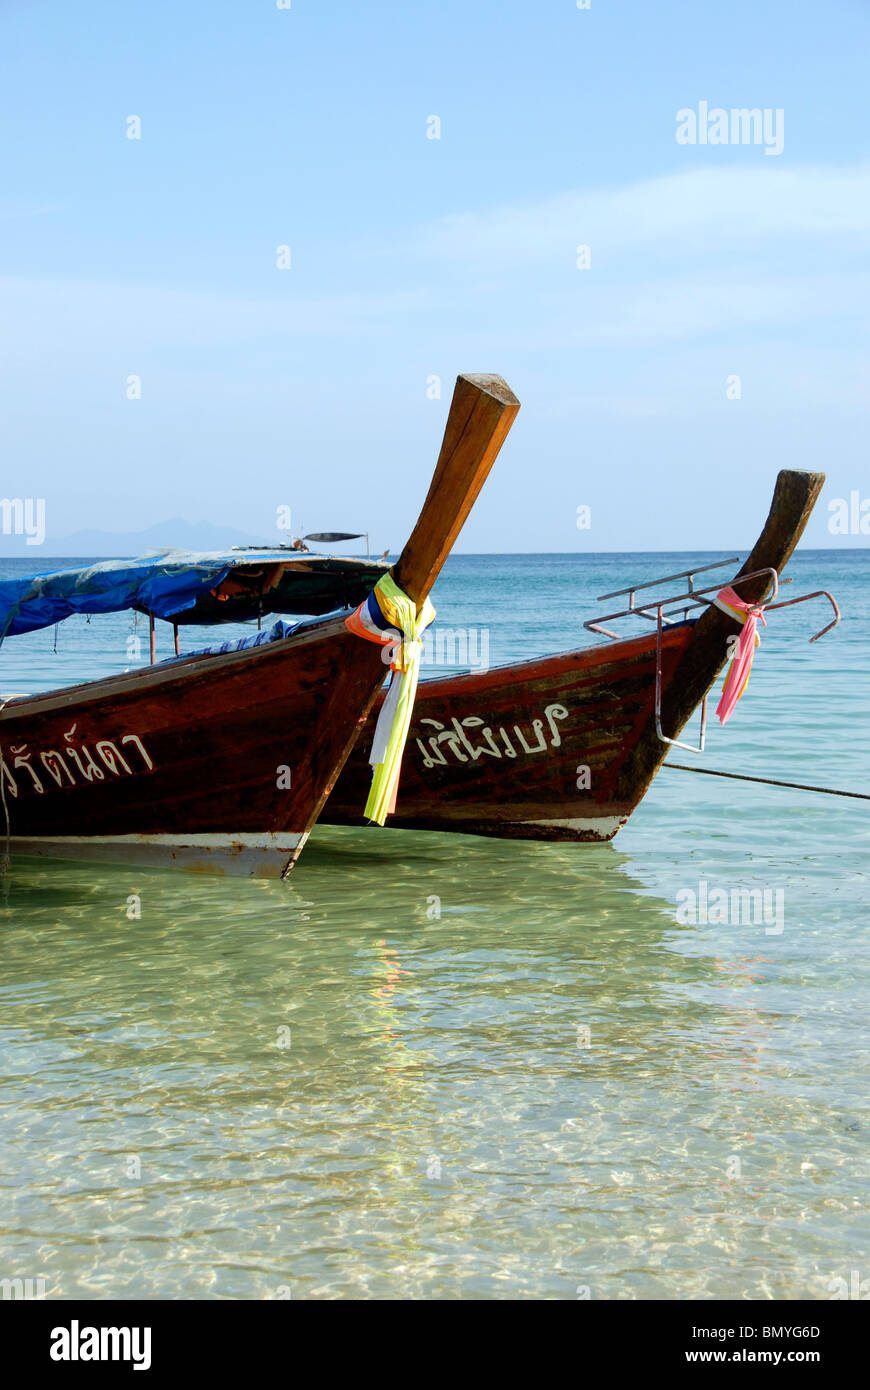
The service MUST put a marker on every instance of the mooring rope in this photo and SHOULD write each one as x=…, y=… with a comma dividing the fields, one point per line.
x=768, y=781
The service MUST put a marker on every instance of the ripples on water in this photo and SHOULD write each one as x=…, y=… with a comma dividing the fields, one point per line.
x=438, y=1126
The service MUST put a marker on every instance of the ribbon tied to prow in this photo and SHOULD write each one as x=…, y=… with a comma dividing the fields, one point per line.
x=737, y=678
x=389, y=617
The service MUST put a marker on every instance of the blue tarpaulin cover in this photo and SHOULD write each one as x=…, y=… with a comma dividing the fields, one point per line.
x=276, y=633
x=164, y=583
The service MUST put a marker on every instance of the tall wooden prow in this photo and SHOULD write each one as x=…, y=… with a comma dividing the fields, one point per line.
x=481, y=413
x=794, y=497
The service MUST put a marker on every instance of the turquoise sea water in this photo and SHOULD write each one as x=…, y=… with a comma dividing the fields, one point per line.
x=556, y=1088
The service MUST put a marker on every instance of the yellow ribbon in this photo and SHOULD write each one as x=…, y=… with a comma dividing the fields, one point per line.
x=394, y=720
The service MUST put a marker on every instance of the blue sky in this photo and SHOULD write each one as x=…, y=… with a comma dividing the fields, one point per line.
x=414, y=257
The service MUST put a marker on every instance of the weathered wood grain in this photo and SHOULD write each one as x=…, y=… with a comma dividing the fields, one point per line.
x=217, y=730
x=609, y=692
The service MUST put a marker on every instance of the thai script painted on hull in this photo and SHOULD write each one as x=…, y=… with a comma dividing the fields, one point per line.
x=458, y=744
x=71, y=766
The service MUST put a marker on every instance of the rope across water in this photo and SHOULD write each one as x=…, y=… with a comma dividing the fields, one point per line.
x=768, y=781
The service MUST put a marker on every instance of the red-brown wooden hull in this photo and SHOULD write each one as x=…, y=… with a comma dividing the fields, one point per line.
x=188, y=762
x=225, y=761
x=504, y=752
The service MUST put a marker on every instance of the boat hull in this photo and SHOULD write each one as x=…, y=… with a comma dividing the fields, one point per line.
x=238, y=855
x=533, y=751
x=593, y=740
x=219, y=762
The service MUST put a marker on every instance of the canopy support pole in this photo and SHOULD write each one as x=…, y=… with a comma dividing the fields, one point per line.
x=151, y=638
x=177, y=645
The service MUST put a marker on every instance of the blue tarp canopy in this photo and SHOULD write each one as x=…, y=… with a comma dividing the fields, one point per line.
x=162, y=585
x=173, y=583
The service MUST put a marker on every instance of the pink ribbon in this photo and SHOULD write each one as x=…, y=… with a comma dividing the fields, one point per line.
x=741, y=664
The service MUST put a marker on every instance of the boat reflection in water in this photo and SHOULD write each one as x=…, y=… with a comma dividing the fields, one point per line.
x=431, y=1065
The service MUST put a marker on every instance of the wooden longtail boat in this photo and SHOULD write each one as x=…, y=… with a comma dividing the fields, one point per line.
x=565, y=747
x=224, y=761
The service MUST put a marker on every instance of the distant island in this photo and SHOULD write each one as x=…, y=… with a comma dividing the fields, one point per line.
x=176, y=533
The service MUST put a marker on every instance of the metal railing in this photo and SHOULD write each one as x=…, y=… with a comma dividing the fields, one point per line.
x=688, y=599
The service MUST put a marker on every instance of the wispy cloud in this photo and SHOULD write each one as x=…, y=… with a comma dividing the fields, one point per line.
x=95, y=314
x=679, y=258
x=700, y=210
x=13, y=208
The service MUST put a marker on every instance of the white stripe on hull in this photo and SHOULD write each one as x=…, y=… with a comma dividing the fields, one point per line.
x=603, y=827
x=246, y=855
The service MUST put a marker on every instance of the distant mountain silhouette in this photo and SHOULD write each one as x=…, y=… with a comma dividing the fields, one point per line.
x=177, y=533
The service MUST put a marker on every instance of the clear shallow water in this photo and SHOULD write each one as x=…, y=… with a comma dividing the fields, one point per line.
x=438, y=1126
